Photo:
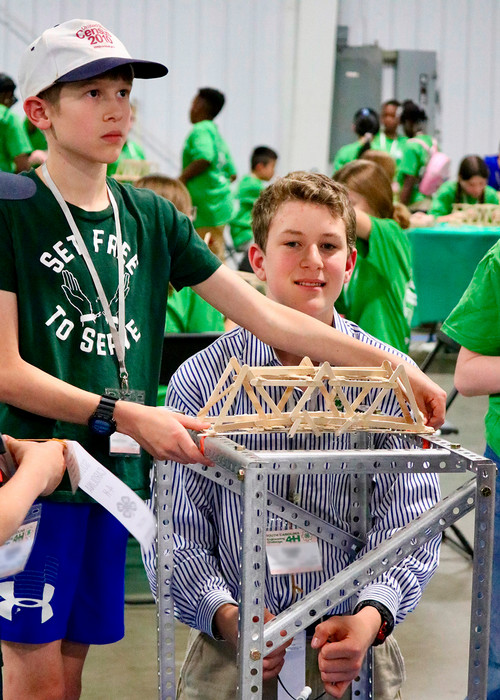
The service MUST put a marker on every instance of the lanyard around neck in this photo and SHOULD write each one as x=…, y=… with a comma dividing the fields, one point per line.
x=394, y=144
x=118, y=334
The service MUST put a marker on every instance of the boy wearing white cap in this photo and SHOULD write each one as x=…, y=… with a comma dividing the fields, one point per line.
x=84, y=271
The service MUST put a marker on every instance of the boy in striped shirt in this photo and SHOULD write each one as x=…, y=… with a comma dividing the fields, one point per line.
x=304, y=228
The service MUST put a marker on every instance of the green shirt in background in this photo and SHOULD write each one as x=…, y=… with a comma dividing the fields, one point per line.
x=381, y=295
x=130, y=151
x=413, y=161
x=248, y=192
x=444, y=199
x=475, y=324
x=211, y=192
x=187, y=312
x=13, y=139
x=394, y=147
x=36, y=136
x=346, y=154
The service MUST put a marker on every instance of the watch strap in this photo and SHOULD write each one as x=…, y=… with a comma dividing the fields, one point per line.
x=387, y=625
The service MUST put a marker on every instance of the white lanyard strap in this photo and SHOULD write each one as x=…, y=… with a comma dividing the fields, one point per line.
x=394, y=145
x=118, y=335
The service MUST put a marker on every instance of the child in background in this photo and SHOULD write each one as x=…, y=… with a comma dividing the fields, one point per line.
x=493, y=165
x=475, y=325
x=187, y=312
x=415, y=155
x=381, y=295
x=262, y=167
x=384, y=160
x=388, y=139
x=365, y=125
x=131, y=149
x=304, y=249
x=471, y=187
x=208, y=169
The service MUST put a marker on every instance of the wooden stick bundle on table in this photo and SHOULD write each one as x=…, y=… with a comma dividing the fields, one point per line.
x=340, y=414
x=478, y=214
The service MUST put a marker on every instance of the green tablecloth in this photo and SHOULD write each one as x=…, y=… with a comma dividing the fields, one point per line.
x=444, y=260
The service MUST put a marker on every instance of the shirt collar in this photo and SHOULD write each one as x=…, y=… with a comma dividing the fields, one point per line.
x=257, y=353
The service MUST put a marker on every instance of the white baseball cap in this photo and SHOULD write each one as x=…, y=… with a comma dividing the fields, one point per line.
x=76, y=50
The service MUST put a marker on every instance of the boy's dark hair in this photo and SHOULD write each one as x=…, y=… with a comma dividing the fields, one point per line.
x=53, y=93
x=262, y=154
x=300, y=186
x=470, y=166
x=366, y=121
x=6, y=83
x=214, y=100
x=411, y=112
x=392, y=103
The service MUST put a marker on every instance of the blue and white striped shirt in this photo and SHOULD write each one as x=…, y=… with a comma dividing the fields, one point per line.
x=206, y=515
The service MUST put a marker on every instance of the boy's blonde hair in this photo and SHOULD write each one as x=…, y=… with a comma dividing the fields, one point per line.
x=369, y=180
x=301, y=186
x=170, y=188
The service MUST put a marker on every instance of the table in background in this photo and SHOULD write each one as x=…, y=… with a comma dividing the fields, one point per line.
x=444, y=260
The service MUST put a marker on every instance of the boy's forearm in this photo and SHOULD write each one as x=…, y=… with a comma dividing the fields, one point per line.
x=16, y=497
x=197, y=167
x=29, y=388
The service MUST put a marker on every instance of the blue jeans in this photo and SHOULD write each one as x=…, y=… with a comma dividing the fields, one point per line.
x=494, y=651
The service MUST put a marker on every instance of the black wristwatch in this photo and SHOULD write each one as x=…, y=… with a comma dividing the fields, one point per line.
x=101, y=422
x=387, y=619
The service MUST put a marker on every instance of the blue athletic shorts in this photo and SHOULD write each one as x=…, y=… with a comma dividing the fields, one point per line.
x=73, y=584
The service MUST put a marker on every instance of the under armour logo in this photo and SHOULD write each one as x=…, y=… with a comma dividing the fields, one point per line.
x=10, y=601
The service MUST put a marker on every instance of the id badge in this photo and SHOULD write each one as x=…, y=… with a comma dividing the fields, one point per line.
x=293, y=673
x=292, y=552
x=16, y=551
x=121, y=445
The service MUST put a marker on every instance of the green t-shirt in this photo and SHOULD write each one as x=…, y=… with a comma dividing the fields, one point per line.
x=475, y=324
x=62, y=328
x=413, y=162
x=13, y=140
x=130, y=151
x=187, y=312
x=444, y=199
x=346, y=154
x=394, y=147
x=381, y=295
x=249, y=190
x=211, y=192
x=35, y=136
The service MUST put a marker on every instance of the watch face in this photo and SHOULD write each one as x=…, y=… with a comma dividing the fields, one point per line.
x=101, y=426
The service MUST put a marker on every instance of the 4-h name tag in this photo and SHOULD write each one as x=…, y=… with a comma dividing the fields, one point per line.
x=292, y=552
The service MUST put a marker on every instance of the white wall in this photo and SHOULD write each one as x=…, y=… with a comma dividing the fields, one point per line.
x=273, y=60
x=464, y=33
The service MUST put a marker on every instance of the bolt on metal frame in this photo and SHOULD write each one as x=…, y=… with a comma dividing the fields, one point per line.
x=245, y=472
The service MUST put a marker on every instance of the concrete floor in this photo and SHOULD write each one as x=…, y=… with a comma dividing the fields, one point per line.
x=434, y=639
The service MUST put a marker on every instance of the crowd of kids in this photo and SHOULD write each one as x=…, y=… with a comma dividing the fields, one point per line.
x=83, y=312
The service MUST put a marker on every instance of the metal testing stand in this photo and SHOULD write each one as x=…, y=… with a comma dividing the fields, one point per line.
x=245, y=473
